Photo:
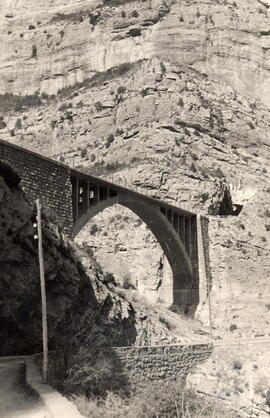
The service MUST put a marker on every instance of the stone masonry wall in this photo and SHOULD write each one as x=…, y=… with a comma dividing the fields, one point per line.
x=44, y=179
x=205, y=240
x=161, y=362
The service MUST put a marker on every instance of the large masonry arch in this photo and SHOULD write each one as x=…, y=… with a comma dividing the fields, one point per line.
x=174, y=229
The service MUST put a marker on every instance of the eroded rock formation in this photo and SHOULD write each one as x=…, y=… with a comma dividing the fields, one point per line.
x=50, y=47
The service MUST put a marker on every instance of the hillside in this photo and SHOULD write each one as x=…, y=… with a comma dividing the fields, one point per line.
x=173, y=99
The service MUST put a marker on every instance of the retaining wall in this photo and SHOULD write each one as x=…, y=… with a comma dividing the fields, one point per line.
x=143, y=364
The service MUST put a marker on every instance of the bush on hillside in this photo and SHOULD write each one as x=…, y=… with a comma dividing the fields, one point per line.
x=13, y=102
x=154, y=400
x=94, y=369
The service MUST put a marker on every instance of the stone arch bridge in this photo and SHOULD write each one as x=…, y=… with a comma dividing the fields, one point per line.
x=75, y=197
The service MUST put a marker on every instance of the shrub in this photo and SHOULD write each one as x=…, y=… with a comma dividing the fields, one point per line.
x=34, y=51
x=251, y=125
x=75, y=17
x=84, y=152
x=144, y=92
x=138, y=222
x=127, y=282
x=134, y=32
x=267, y=398
x=64, y=106
x=94, y=369
x=113, y=3
x=109, y=278
x=186, y=131
x=119, y=131
x=123, y=14
x=98, y=106
x=237, y=365
x=31, y=27
x=3, y=124
x=99, y=78
x=135, y=13
x=165, y=399
x=18, y=124
x=267, y=213
x=180, y=102
x=109, y=140
x=11, y=102
x=162, y=68
x=94, y=229
x=233, y=327
x=121, y=89
x=94, y=18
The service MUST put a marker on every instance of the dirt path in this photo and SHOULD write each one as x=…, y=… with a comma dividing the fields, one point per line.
x=17, y=399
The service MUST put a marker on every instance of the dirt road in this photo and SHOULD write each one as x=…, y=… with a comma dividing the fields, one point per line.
x=17, y=399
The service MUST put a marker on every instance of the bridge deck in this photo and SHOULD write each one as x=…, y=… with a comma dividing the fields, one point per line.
x=93, y=179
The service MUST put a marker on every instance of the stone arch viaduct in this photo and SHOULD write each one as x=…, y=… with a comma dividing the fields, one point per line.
x=75, y=197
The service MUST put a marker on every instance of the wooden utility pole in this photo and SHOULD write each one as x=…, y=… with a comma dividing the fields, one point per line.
x=210, y=310
x=43, y=295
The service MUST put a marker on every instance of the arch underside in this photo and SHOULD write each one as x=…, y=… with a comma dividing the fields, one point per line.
x=185, y=290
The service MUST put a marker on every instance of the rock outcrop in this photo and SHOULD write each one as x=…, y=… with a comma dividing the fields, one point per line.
x=69, y=289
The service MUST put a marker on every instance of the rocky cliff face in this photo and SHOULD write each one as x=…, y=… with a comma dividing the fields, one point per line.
x=68, y=288
x=54, y=45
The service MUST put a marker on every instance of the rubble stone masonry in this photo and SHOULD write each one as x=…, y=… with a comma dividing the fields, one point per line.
x=44, y=179
x=161, y=362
